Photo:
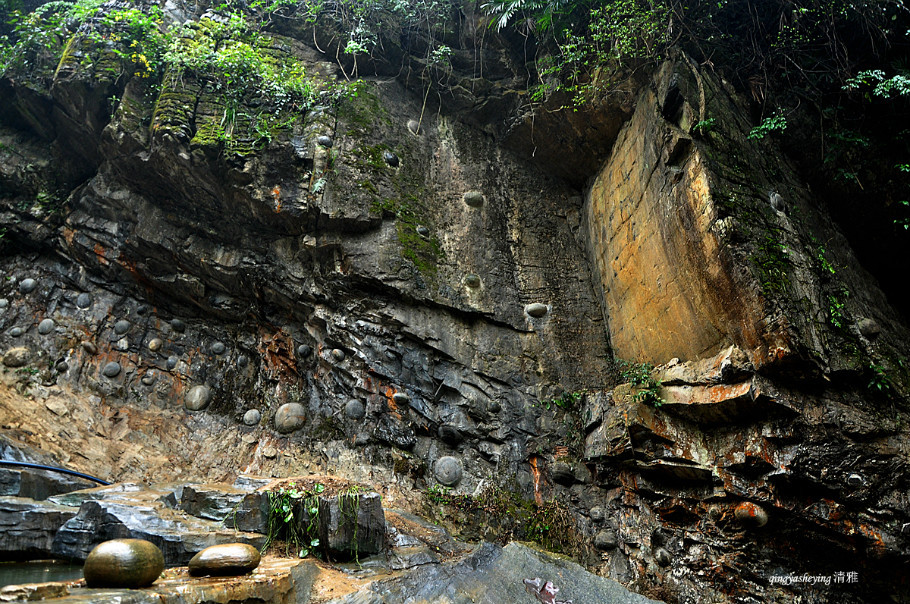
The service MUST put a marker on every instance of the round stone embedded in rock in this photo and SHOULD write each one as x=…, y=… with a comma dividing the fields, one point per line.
x=289, y=417
x=178, y=325
x=354, y=409
x=225, y=560
x=448, y=471
x=218, y=348
x=123, y=563
x=423, y=231
x=89, y=347
x=472, y=280
x=390, y=158
x=197, y=398
x=663, y=557
x=121, y=327
x=750, y=514
x=84, y=300
x=597, y=514
x=171, y=362
x=142, y=309
x=149, y=378
x=303, y=351
x=401, y=398
x=473, y=198
x=27, y=286
x=413, y=126
x=252, y=417
x=338, y=354
x=270, y=452
x=61, y=367
x=155, y=344
x=605, y=540
x=869, y=328
x=4, y=302
x=243, y=360
x=324, y=141
x=855, y=480
x=16, y=332
x=111, y=370
x=46, y=326
x=16, y=357
x=536, y=310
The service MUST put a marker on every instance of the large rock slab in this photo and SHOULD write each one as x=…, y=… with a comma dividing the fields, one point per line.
x=493, y=575
x=37, y=484
x=352, y=524
x=27, y=527
x=178, y=535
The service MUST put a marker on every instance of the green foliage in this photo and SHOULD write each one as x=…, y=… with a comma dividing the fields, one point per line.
x=772, y=260
x=294, y=518
x=875, y=83
x=703, y=127
x=505, y=514
x=880, y=381
x=837, y=309
x=641, y=376
x=616, y=31
x=568, y=401
x=775, y=123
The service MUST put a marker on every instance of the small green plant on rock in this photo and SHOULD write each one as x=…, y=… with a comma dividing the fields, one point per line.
x=294, y=518
x=640, y=376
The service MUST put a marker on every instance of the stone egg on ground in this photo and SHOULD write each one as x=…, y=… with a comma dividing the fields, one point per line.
x=123, y=563
x=225, y=560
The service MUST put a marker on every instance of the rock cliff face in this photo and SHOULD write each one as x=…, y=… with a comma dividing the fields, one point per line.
x=441, y=296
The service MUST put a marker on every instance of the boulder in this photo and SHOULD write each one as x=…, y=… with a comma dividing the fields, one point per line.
x=123, y=563
x=27, y=527
x=228, y=559
x=289, y=417
x=177, y=534
x=448, y=471
x=197, y=398
x=352, y=524
x=16, y=357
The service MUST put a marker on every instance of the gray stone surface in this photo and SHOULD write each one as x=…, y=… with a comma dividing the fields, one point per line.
x=27, y=285
x=111, y=370
x=84, y=300
x=121, y=327
x=16, y=332
x=178, y=535
x=354, y=409
x=155, y=344
x=198, y=398
x=37, y=484
x=46, y=326
x=252, y=417
x=290, y=417
x=495, y=575
x=178, y=325
x=536, y=310
x=219, y=348
x=27, y=527
x=448, y=470
x=352, y=524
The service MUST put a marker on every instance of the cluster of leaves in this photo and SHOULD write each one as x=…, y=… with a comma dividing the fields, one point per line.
x=641, y=375
x=294, y=518
x=568, y=401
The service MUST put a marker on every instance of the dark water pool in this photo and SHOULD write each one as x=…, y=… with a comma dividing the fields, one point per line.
x=15, y=573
